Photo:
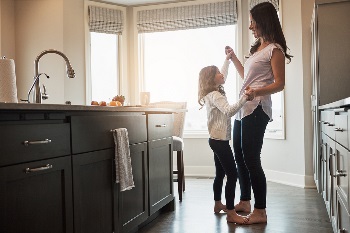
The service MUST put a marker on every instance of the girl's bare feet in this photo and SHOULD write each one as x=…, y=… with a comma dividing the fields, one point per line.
x=243, y=206
x=233, y=217
x=257, y=216
x=219, y=206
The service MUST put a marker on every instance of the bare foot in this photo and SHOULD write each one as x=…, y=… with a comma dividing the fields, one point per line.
x=243, y=206
x=257, y=216
x=233, y=217
x=219, y=206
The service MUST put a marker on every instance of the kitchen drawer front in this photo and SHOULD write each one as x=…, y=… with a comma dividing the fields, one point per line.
x=160, y=126
x=341, y=130
x=343, y=223
x=327, y=123
x=342, y=172
x=30, y=142
x=90, y=133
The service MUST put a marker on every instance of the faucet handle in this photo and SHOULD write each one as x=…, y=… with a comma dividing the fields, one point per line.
x=44, y=95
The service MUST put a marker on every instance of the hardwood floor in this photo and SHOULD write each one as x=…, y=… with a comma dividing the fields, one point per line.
x=289, y=210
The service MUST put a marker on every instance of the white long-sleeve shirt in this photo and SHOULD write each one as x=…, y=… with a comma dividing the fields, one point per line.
x=219, y=111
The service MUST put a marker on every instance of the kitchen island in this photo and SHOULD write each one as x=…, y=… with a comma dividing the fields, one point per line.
x=57, y=170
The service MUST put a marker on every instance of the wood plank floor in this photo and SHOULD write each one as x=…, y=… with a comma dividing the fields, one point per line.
x=289, y=210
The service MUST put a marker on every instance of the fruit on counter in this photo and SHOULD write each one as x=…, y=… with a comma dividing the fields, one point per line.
x=115, y=103
x=103, y=103
x=119, y=98
x=94, y=102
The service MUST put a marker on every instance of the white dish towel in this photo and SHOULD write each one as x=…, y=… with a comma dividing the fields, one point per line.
x=122, y=159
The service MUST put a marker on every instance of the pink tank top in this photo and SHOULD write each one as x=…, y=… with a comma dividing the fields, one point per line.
x=258, y=73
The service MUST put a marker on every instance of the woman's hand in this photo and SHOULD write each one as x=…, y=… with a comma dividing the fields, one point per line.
x=230, y=54
x=250, y=93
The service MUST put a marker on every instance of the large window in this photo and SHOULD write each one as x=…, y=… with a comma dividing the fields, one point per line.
x=104, y=66
x=172, y=61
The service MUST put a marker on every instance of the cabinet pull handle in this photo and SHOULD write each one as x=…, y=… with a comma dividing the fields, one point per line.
x=343, y=230
x=330, y=124
x=29, y=170
x=161, y=126
x=339, y=129
x=339, y=173
x=27, y=143
x=325, y=122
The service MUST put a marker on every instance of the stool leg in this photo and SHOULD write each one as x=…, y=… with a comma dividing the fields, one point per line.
x=183, y=171
x=179, y=174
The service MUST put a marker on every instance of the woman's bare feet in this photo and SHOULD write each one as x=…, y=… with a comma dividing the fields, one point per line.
x=233, y=217
x=257, y=216
x=219, y=206
x=243, y=206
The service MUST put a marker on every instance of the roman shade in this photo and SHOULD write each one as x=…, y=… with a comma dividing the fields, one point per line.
x=105, y=20
x=187, y=17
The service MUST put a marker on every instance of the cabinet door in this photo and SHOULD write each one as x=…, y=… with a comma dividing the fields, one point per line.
x=342, y=172
x=324, y=169
x=36, y=197
x=160, y=170
x=133, y=204
x=94, y=192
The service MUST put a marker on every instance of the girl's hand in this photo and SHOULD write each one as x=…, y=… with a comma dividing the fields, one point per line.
x=250, y=93
x=230, y=54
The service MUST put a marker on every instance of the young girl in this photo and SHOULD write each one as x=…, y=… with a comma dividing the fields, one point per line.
x=219, y=112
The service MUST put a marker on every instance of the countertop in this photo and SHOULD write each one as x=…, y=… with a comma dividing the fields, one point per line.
x=337, y=104
x=65, y=107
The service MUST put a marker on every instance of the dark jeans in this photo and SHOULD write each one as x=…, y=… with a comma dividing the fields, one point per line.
x=248, y=137
x=224, y=165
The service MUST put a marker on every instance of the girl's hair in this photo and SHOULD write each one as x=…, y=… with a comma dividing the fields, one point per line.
x=206, y=83
x=268, y=24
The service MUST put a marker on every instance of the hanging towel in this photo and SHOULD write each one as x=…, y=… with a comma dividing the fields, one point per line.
x=122, y=159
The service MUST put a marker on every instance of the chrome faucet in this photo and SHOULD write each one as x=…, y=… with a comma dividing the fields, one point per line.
x=37, y=98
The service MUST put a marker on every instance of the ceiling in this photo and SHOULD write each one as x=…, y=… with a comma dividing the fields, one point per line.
x=138, y=2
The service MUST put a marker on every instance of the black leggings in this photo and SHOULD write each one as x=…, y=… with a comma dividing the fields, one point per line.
x=248, y=135
x=224, y=165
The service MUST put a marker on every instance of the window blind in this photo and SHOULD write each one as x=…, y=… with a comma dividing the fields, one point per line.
x=105, y=20
x=187, y=17
x=275, y=3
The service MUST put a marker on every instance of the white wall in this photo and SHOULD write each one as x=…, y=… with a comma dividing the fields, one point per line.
x=286, y=161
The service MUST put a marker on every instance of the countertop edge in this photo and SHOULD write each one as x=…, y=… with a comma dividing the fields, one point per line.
x=337, y=104
x=62, y=107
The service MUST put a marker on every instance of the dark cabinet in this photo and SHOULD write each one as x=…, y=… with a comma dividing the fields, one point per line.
x=57, y=171
x=133, y=204
x=36, y=197
x=95, y=193
x=160, y=164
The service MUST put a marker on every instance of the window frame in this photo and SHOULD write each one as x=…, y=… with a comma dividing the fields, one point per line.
x=122, y=45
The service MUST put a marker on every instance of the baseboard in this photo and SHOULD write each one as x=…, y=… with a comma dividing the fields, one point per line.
x=291, y=179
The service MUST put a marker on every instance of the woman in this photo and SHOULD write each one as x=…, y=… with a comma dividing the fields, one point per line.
x=264, y=72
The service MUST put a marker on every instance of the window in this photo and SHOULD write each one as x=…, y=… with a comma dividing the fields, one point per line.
x=104, y=66
x=172, y=61
x=104, y=29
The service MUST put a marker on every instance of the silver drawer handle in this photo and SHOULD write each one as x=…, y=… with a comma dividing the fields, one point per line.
x=339, y=129
x=161, y=126
x=330, y=124
x=28, y=170
x=339, y=173
x=27, y=143
x=343, y=230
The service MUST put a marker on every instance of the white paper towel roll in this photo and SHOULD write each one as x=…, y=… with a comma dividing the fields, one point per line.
x=8, y=88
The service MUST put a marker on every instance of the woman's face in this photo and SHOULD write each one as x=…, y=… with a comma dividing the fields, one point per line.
x=253, y=27
x=219, y=78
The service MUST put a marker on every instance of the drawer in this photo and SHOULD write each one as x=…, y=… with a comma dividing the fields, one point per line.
x=90, y=133
x=160, y=126
x=341, y=130
x=343, y=223
x=327, y=123
x=342, y=172
x=30, y=142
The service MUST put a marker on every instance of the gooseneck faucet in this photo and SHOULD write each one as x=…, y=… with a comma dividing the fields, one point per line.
x=70, y=72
